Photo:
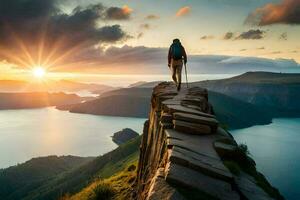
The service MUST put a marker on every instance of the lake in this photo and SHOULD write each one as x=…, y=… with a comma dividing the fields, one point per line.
x=29, y=133
x=275, y=148
x=25, y=134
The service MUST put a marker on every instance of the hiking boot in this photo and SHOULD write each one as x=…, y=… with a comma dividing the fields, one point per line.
x=178, y=87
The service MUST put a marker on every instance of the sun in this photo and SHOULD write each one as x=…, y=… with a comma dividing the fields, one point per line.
x=39, y=72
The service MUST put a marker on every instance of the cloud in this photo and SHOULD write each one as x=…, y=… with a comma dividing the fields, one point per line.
x=261, y=63
x=276, y=52
x=285, y=12
x=145, y=26
x=143, y=59
x=34, y=31
x=152, y=17
x=261, y=48
x=243, y=49
x=251, y=35
x=207, y=37
x=183, y=11
x=140, y=35
x=283, y=36
x=116, y=13
x=228, y=36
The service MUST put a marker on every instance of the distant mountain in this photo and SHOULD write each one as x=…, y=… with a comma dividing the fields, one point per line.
x=234, y=113
x=144, y=84
x=135, y=102
x=127, y=102
x=17, y=181
x=278, y=91
x=36, y=100
x=51, y=86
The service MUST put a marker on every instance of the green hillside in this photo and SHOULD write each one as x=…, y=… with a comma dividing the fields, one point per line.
x=74, y=180
x=135, y=102
x=19, y=180
x=234, y=113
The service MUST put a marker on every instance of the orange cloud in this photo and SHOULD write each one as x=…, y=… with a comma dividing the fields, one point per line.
x=183, y=11
x=127, y=10
x=286, y=12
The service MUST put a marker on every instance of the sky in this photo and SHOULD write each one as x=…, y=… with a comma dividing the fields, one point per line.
x=132, y=36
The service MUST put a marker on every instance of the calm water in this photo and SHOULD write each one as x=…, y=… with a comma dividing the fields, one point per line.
x=275, y=148
x=40, y=132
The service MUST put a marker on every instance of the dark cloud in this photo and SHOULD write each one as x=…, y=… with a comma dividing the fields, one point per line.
x=207, y=37
x=283, y=36
x=116, y=13
x=285, y=12
x=243, y=49
x=33, y=28
x=152, y=17
x=261, y=48
x=251, y=35
x=228, y=36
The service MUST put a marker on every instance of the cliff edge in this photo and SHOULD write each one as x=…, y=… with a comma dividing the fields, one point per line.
x=185, y=154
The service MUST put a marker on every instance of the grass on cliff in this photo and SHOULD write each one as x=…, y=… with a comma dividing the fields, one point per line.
x=117, y=187
x=73, y=181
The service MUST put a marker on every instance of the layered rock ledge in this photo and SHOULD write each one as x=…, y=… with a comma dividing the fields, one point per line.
x=184, y=151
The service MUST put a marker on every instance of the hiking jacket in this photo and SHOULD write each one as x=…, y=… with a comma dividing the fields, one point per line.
x=170, y=55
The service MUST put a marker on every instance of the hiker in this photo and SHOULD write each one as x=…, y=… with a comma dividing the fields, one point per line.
x=176, y=57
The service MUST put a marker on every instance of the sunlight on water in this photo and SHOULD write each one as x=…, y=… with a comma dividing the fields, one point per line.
x=275, y=148
x=41, y=132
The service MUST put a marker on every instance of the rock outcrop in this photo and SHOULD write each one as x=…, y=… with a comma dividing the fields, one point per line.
x=184, y=149
x=124, y=136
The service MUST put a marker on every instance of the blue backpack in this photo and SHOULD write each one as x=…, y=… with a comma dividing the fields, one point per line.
x=176, y=51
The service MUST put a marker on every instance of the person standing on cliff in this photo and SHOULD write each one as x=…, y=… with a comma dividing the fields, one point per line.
x=176, y=57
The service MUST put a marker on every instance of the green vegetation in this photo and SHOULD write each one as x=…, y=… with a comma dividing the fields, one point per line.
x=237, y=114
x=118, y=187
x=71, y=181
x=18, y=180
x=102, y=191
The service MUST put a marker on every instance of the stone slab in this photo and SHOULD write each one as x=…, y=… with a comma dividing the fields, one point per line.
x=192, y=128
x=196, y=118
x=182, y=109
x=166, y=125
x=201, y=163
x=166, y=118
x=224, y=133
x=224, y=149
x=189, y=178
x=161, y=190
x=196, y=143
x=247, y=186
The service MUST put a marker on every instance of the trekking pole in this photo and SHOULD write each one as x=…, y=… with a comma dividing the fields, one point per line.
x=186, y=77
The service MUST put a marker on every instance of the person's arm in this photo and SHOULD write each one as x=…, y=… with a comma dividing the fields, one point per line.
x=169, y=56
x=184, y=55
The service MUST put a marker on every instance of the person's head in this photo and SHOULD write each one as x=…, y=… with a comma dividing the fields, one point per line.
x=176, y=40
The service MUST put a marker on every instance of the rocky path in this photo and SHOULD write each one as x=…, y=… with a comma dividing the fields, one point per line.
x=182, y=151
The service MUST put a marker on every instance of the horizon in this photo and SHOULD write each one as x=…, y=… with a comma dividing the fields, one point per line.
x=63, y=38
x=149, y=99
